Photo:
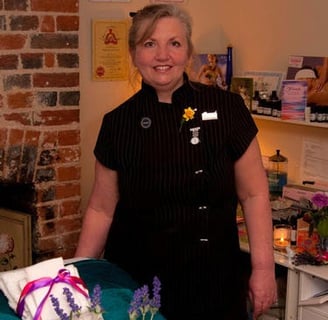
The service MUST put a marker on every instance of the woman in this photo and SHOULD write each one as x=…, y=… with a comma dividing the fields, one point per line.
x=172, y=162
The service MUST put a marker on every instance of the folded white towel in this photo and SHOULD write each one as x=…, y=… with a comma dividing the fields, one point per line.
x=9, y=285
x=13, y=282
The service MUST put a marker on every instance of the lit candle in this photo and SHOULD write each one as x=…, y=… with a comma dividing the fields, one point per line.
x=281, y=236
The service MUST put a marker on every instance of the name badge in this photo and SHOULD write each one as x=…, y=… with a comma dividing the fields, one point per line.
x=209, y=115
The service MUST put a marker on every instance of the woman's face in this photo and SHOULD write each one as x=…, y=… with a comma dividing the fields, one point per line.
x=161, y=59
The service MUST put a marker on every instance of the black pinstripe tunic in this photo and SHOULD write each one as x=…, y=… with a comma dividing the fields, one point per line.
x=176, y=213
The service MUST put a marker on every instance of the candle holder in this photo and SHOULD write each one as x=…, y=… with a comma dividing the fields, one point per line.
x=281, y=236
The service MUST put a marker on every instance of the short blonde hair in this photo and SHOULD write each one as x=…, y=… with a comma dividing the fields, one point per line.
x=146, y=18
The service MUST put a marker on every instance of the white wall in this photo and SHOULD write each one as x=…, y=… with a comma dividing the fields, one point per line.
x=263, y=33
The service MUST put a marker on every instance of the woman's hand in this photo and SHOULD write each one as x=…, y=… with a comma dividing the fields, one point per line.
x=262, y=290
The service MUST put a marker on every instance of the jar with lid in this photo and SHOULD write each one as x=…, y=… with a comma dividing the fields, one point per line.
x=277, y=173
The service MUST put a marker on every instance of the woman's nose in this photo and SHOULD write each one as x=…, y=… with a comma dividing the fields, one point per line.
x=162, y=53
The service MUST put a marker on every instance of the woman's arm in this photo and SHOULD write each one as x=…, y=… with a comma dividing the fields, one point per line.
x=252, y=189
x=99, y=213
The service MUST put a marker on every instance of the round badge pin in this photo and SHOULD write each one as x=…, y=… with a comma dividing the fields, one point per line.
x=145, y=122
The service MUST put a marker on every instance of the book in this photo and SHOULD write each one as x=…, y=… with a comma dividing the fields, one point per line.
x=293, y=99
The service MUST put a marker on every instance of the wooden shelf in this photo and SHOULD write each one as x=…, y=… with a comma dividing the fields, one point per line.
x=294, y=122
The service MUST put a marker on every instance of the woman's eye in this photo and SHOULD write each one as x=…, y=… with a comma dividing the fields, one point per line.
x=149, y=44
x=176, y=44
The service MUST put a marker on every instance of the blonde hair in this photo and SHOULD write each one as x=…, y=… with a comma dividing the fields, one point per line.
x=146, y=19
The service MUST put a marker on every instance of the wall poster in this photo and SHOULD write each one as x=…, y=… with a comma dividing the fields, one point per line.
x=110, y=50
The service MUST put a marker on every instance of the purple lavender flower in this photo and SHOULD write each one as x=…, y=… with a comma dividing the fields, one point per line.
x=96, y=300
x=140, y=302
x=60, y=312
x=320, y=200
x=155, y=302
x=76, y=309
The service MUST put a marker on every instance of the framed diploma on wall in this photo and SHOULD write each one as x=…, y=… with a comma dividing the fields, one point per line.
x=110, y=50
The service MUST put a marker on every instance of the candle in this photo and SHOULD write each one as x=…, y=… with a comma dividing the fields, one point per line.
x=281, y=236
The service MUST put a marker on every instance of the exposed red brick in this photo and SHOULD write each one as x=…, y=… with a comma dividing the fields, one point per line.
x=68, y=224
x=15, y=136
x=47, y=229
x=69, y=137
x=22, y=118
x=32, y=43
x=56, y=6
x=12, y=41
x=67, y=190
x=67, y=155
x=49, y=139
x=49, y=60
x=59, y=80
x=8, y=61
x=70, y=207
x=3, y=136
x=67, y=23
x=48, y=244
x=59, y=117
x=20, y=100
x=32, y=137
x=68, y=173
x=48, y=24
x=69, y=240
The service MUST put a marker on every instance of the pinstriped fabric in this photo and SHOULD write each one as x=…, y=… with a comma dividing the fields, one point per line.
x=177, y=199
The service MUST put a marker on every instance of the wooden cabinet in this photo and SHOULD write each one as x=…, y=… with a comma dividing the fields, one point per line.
x=313, y=293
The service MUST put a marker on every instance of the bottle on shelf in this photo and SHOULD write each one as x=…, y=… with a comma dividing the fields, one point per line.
x=275, y=103
x=255, y=101
x=293, y=235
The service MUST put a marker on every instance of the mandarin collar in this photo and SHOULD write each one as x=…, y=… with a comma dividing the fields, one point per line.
x=181, y=91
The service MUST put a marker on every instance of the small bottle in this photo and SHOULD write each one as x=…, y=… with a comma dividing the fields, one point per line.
x=255, y=101
x=260, y=106
x=321, y=114
x=313, y=113
x=275, y=103
x=267, y=107
x=293, y=235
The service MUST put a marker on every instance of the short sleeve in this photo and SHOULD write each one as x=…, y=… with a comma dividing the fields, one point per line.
x=243, y=128
x=103, y=150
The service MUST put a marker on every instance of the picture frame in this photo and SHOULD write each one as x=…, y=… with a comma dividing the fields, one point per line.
x=202, y=71
x=244, y=87
x=15, y=240
x=110, y=50
x=266, y=81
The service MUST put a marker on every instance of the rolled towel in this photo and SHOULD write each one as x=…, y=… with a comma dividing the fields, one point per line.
x=34, y=285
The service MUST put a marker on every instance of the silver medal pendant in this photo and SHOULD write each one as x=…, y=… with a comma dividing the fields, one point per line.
x=194, y=140
x=195, y=135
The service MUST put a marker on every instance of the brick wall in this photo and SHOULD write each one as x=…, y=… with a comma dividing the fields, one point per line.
x=39, y=115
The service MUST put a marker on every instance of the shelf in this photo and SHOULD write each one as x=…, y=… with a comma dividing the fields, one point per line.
x=299, y=123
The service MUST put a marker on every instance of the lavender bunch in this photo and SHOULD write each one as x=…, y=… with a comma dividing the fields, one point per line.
x=141, y=304
x=59, y=311
x=96, y=300
x=95, y=307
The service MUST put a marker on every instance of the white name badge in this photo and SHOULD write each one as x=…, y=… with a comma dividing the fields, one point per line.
x=209, y=115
